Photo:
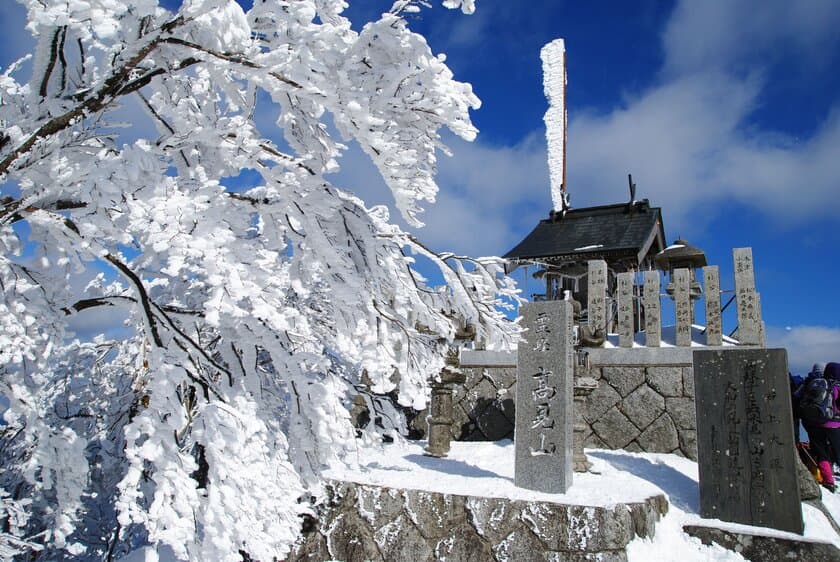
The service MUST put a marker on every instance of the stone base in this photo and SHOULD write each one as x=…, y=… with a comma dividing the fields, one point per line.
x=365, y=522
x=764, y=548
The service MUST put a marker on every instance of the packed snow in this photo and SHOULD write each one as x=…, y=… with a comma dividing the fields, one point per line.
x=486, y=469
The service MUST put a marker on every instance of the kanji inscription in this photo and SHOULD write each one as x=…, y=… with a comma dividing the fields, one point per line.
x=543, y=433
x=745, y=445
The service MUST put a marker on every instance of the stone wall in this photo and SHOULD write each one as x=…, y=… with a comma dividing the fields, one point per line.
x=644, y=400
x=483, y=407
x=372, y=523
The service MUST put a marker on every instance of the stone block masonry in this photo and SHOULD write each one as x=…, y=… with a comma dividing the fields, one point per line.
x=644, y=400
x=373, y=523
x=483, y=406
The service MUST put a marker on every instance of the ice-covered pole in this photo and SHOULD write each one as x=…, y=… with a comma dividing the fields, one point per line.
x=553, y=57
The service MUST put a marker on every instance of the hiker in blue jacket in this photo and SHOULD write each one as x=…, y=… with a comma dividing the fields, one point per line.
x=825, y=435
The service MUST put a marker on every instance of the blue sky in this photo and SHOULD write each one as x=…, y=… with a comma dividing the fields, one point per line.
x=726, y=112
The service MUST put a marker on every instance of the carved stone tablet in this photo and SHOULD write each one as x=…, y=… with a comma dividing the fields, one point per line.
x=653, y=310
x=711, y=286
x=597, y=295
x=749, y=308
x=682, y=306
x=625, y=309
x=544, y=395
x=745, y=445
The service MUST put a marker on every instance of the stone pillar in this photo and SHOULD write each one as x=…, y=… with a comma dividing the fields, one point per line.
x=750, y=325
x=711, y=284
x=440, y=407
x=762, y=336
x=544, y=422
x=597, y=297
x=625, y=309
x=653, y=310
x=682, y=305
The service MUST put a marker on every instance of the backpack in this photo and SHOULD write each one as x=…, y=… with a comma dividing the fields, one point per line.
x=816, y=401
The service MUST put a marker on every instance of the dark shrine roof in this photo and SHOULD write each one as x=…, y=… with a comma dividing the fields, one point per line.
x=619, y=230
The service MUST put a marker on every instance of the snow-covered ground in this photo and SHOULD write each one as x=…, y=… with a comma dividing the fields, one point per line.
x=486, y=469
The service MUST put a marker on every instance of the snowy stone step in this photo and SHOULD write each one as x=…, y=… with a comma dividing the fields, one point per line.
x=365, y=522
x=764, y=547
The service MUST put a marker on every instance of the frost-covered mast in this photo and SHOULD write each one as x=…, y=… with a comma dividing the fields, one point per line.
x=553, y=57
x=625, y=235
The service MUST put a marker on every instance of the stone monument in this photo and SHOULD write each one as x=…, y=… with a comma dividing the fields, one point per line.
x=653, y=322
x=714, y=327
x=745, y=447
x=683, y=306
x=544, y=398
x=750, y=324
x=597, y=298
x=625, y=309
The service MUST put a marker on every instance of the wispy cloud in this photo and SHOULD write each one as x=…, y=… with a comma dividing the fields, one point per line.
x=806, y=345
x=488, y=194
x=735, y=33
x=689, y=139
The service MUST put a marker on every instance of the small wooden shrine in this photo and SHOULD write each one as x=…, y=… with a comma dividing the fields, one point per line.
x=625, y=235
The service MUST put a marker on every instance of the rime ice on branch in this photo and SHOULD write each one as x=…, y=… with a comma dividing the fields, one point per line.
x=253, y=312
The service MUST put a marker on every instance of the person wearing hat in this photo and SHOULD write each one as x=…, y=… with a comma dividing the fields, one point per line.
x=825, y=436
x=817, y=370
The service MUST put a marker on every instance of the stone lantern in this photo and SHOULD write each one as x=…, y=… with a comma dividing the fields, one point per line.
x=679, y=255
x=440, y=406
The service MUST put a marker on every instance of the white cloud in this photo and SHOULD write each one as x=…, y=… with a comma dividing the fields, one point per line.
x=490, y=196
x=720, y=33
x=688, y=139
x=108, y=320
x=671, y=138
x=806, y=345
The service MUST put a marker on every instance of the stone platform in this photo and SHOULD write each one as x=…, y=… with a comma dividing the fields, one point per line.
x=366, y=522
x=396, y=503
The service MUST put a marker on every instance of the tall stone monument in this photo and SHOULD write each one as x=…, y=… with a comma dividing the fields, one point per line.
x=745, y=447
x=714, y=327
x=597, y=298
x=653, y=314
x=750, y=323
x=683, y=306
x=544, y=397
x=625, y=309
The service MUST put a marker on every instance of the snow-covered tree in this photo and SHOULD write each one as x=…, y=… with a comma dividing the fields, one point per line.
x=254, y=311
